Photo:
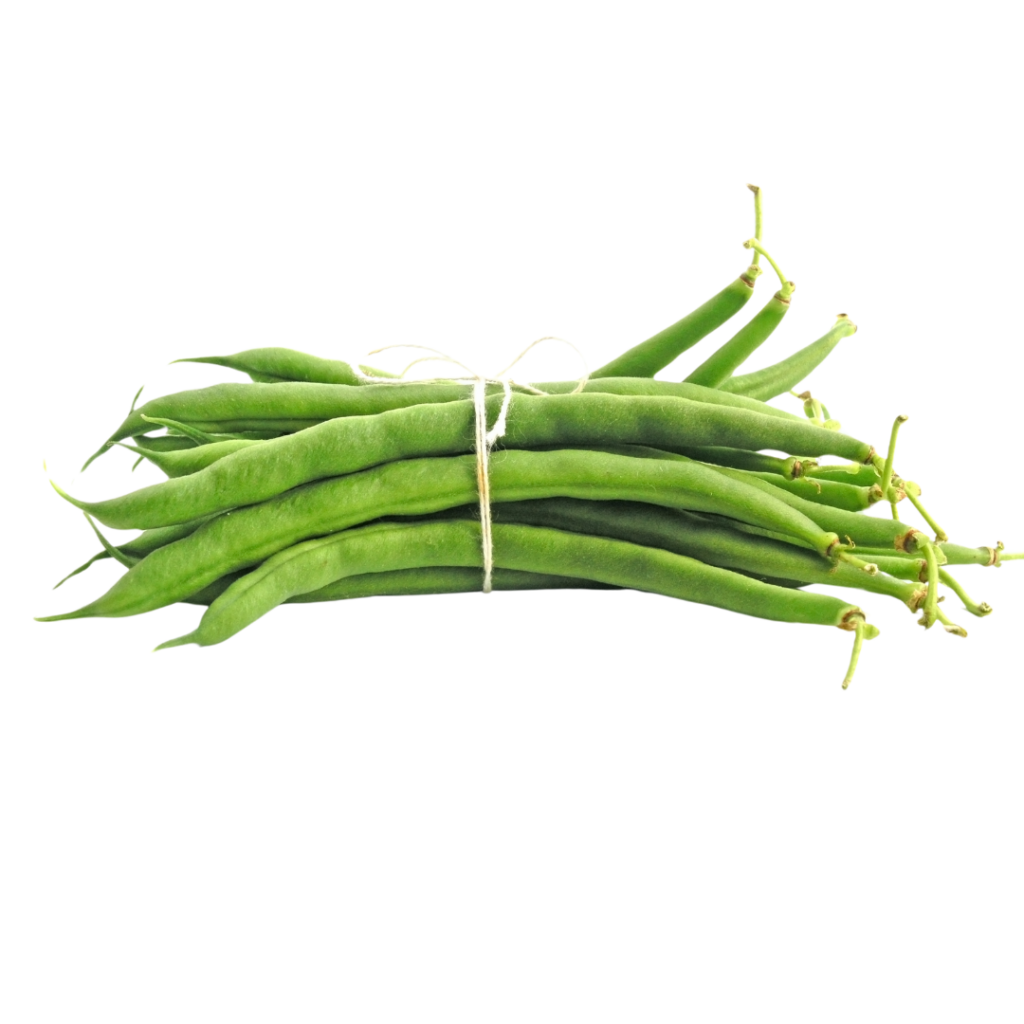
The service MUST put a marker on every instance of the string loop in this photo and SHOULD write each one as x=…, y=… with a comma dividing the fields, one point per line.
x=484, y=439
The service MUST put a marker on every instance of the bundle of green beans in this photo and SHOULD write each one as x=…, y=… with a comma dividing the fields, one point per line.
x=320, y=481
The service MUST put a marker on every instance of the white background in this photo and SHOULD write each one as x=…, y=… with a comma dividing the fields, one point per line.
x=546, y=807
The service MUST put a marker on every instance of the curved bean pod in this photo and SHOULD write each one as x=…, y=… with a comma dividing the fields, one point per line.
x=712, y=542
x=863, y=531
x=820, y=492
x=272, y=410
x=392, y=546
x=654, y=354
x=352, y=443
x=247, y=536
x=722, y=363
x=781, y=377
x=283, y=364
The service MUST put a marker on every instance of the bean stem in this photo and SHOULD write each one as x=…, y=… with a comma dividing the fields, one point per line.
x=758, y=221
x=950, y=627
x=887, y=465
x=862, y=631
x=972, y=606
x=914, y=496
x=929, y=612
x=778, y=378
x=787, y=286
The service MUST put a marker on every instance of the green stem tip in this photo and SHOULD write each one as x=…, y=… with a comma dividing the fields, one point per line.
x=889, y=458
x=845, y=555
x=862, y=631
x=950, y=627
x=758, y=219
x=973, y=607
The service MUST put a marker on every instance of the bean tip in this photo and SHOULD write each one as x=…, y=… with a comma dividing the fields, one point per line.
x=59, y=618
x=95, y=455
x=64, y=494
x=178, y=641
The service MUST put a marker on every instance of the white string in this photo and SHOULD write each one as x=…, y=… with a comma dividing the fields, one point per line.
x=484, y=439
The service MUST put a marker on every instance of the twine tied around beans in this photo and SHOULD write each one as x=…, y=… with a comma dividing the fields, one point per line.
x=485, y=438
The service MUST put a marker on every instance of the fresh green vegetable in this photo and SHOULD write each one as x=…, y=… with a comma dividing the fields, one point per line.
x=313, y=484
x=392, y=546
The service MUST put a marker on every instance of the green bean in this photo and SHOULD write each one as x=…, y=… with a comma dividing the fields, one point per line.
x=851, y=473
x=162, y=443
x=568, y=522
x=686, y=534
x=824, y=492
x=440, y=579
x=247, y=536
x=827, y=492
x=186, y=461
x=647, y=358
x=722, y=363
x=737, y=458
x=821, y=492
x=791, y=468
x=392, y=546
x=272, y=410
x=781, y=377
x=654, y=354
x=349, y=444
x=280, y=365
x=861, y=530
x=957, y=554
x=641, y=387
